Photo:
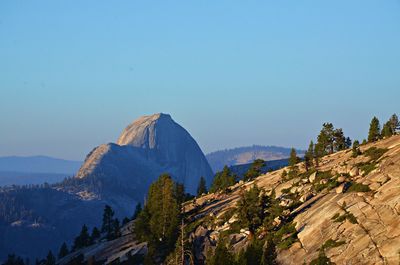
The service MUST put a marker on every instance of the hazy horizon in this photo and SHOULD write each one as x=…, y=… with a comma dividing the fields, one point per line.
x=231, y=73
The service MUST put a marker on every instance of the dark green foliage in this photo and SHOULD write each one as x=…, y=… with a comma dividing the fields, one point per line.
x=387, y=130
x=12, y=259
x=367, y=167
x=339, y=140
x=254, y=170
x=221, y=256
x=159, y=221
x=63, y=251
x=95, y=235
x=375, y=153
x=251, y=208
x=394, y=123
x=374, y=130
x=293, y=160
x=269, y=255
x=318, y=153
x=180, y=192
x=326, y=138
x=321, y=260
x=358, y=187
x=108, y=221
x=349, y=216
x=116, y=232
x=83, y=240
x=309, y=156
x=348, y=143
x=202, y=187
x=327, y=175
x=286, y=236
x=330, y=243
x=125, y=221
x=223, y=180
x=356, y=149
x=252, y=255
x=50, y=259
x=138, y=209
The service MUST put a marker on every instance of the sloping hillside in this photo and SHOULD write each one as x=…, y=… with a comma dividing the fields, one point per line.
x=357, y=217
x=348, y=211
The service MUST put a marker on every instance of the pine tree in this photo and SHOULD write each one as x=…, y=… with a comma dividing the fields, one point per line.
x=158, y=222
x=318, y=153
x=221, y=256
x=13, y=260
x=253, y=254
x=269, y=255
x=83, y=240
x=50, y=259
x=326, y=138
x=339, y=140
x=374, y=130
x=180, y=192
x=116, y=232
x=293, y=160
x=202, y=188
x=309, y=156
x=356, y=149
x=108, y=221
x=348, y=142
x=125, y=221
x=387, y=130
x=394, y=123
x=138, y=209
x=251, y=209
x=95, y=235
x=63, y=251
x=223, y=180
x=255, y=170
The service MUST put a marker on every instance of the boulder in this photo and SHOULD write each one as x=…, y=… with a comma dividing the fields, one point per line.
x=341, y=179
x=312, y=177
x=306, y=197
x=354, y=172
x=342, y=188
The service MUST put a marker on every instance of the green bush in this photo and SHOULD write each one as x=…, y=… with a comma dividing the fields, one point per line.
x=321, y=260
x=349, y=216
x=375, y=153
x=330, y=243
x=367, y=167
x=358, y=187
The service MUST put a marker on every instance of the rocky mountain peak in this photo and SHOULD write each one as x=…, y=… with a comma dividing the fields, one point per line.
x=140, y=132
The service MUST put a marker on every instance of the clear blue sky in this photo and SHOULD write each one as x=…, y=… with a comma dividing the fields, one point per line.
x=73, y=74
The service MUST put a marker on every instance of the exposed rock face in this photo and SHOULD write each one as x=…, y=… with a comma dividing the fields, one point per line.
x=151, y=145
x=370, y=236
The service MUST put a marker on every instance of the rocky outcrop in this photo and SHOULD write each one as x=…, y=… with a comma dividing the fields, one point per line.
x=151, y=145
x=360, y=211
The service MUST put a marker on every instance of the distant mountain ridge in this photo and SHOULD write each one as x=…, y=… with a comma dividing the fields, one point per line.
x=25, y=170
x=39, y=164
x=246, y=155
